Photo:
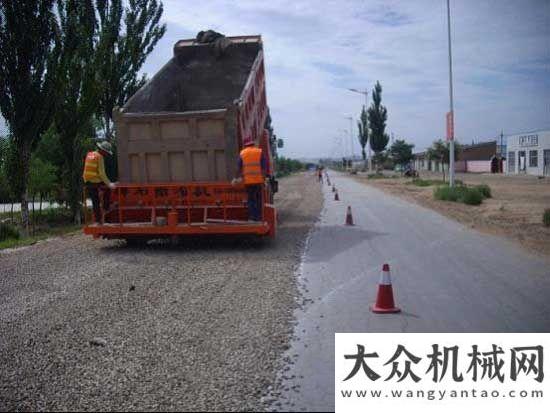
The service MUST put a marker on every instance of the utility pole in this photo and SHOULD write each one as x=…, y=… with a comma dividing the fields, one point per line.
x=351, y=134
x=340, y=144
x=502, y=154
x=352, y=137
x=343, y=140
x=452, y=137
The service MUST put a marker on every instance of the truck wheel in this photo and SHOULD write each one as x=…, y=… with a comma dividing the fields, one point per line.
x=174, y=241
x=136, y=242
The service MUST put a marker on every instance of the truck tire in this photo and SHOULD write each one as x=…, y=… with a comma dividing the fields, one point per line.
x=136, y=242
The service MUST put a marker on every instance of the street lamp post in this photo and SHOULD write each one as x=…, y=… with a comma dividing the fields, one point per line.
x=452, y=137
x=343, y=140
x=338, y=145
x=366, y=94
x=351, y=134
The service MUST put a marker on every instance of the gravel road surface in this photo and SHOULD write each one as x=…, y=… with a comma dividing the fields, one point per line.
x=88, y=324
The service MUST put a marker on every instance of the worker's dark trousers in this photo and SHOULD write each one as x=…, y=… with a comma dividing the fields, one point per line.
x=93, y=192
x=254, y=202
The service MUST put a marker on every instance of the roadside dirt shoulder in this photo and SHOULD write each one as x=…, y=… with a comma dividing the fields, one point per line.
x=514, y=211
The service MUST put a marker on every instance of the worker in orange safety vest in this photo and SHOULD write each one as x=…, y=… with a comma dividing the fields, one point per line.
x=252, y=167
x=95, y=177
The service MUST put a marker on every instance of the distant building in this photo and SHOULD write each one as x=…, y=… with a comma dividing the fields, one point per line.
x=529, y=153
x=420, y=161
x=479, y=157
x=423, y=163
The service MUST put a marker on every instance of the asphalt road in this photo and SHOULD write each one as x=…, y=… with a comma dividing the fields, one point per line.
x=446, y=278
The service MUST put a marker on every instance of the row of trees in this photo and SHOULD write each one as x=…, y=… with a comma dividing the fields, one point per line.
x=372, y=130
x=372, y=124
x=286, y=166
x=64, y=66
x=439, y=151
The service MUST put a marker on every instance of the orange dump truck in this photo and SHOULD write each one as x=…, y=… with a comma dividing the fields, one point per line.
x=178, y=143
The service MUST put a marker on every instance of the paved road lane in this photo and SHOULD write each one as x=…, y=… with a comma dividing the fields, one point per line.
x=446, y=278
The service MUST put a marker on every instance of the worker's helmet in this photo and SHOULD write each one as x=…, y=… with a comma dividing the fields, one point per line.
x=249, y=142
x=105, y=146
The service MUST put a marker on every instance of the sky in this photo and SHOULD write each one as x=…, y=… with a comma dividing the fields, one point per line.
x=315, y=51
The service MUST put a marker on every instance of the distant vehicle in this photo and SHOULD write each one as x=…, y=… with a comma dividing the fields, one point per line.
x=179, y=139
x=410, y=172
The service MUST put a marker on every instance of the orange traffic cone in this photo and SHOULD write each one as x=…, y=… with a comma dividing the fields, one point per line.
x=349, y=217
x=384, y=298
x=336, y=197
x=333, y=188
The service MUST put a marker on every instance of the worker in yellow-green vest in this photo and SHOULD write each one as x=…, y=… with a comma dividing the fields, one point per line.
x=252, y=167
x=96, y=179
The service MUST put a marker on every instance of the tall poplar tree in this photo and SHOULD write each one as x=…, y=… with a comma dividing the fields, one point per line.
x=29, y=57
x=127, y=35
x=378, y=115
x=79, y=93
x=363, y=128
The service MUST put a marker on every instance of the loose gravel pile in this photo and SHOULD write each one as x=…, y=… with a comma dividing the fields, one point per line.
x=95, y=325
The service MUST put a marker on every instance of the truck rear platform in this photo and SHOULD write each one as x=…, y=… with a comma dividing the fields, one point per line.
x=165, y=210
x=178, y=143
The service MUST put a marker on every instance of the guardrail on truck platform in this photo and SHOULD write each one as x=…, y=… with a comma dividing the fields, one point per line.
x=157, y=210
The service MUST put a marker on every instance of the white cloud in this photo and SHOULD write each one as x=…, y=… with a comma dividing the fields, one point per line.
x=315, y=50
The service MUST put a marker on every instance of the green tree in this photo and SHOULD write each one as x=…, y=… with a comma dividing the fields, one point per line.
x=5, y=194
x=4, y=188
x=49, y=148
x=363, y=128
x=11, y=170
x=78, y=92
x=126, y=37
x=42, y=179
x=377, y=115
x=439, y=151
x=286, y=166
x=28, y=63
x=380, y=159
x=401, y=152
x=4, y=148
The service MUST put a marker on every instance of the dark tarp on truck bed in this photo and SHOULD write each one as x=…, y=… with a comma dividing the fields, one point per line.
x=195, y=79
